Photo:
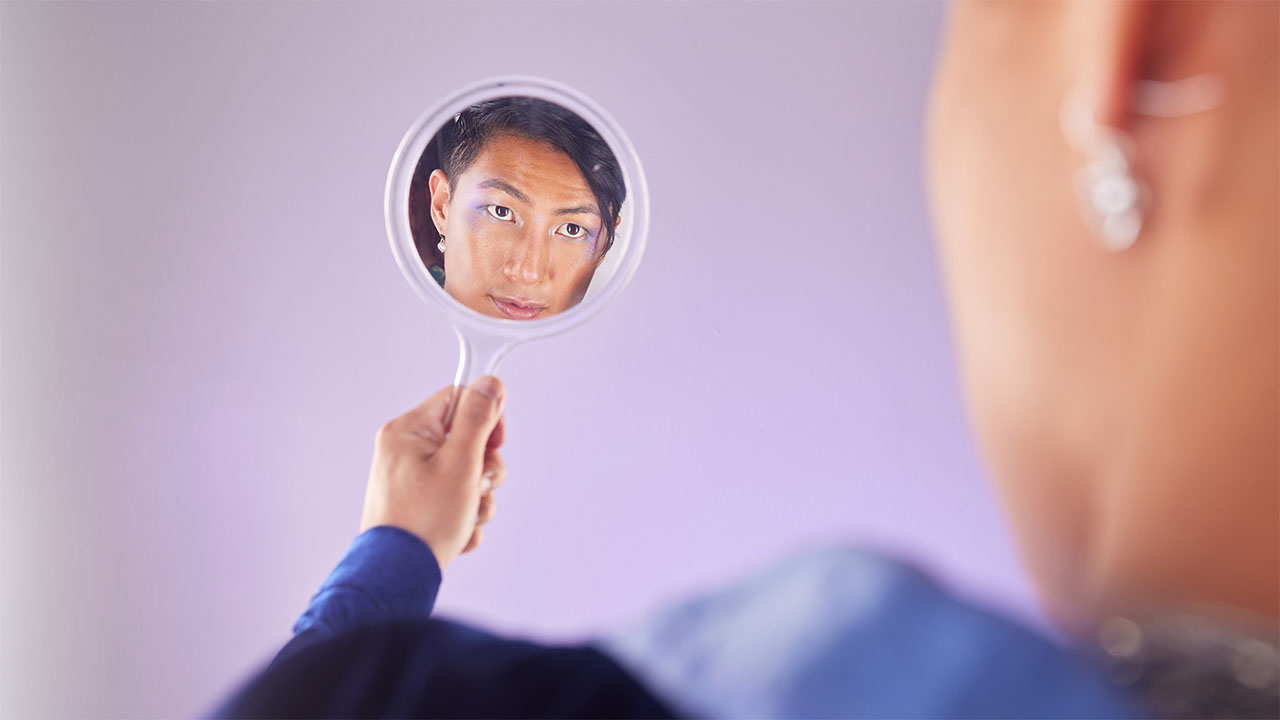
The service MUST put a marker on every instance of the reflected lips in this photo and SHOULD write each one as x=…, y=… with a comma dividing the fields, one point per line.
x=518, y=309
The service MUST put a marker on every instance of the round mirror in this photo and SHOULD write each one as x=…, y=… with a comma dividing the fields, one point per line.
x=519, y=208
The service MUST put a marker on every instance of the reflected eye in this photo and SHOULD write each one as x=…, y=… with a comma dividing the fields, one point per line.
x=500, y=212
x=573, y=231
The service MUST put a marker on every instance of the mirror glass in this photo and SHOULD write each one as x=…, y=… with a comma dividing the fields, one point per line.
x=514, y=206
x=519, y=208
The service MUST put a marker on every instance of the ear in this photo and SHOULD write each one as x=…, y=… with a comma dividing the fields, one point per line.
x=1115, y=39
x=438, y=184
x=616, y=223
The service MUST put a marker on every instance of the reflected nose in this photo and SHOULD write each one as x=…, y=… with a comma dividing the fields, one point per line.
x=530, y=260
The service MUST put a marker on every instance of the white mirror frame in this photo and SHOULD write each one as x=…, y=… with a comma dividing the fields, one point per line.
x=484, y=341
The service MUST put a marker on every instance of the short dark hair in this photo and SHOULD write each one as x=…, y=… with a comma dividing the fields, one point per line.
x=462, y=140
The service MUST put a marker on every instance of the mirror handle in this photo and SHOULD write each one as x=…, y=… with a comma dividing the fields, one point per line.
x=478, y=354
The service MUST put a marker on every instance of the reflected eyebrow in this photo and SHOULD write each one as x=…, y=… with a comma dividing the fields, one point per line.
x=506, y=187
x=513, y=191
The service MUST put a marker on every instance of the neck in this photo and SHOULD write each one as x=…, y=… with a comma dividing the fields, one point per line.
x=1189, y=490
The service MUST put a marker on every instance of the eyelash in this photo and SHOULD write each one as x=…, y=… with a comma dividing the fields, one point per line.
x=583, y=232
x=581, y=229
x=509, y=218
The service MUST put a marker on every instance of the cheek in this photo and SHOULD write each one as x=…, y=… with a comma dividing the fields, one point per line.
x=477, y=255
x=578, y=268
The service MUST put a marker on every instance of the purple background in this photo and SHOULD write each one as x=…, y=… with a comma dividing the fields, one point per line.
x=203, y=326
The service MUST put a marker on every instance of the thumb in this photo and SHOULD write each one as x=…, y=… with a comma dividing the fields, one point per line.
x=478, y=413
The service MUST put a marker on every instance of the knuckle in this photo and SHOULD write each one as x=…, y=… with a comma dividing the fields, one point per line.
x=383, y=436
x=494, y=463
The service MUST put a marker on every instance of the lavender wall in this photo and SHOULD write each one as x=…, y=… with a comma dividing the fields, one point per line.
x=203, y=326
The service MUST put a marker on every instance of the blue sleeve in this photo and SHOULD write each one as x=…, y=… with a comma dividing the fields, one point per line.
x=387, y=574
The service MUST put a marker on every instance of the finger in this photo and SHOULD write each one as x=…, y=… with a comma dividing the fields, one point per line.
x=437, y=404
x=479, y=410
x=498, y=435
x=476, y=536
x=428, y=416
x=495, y=470
x=488, y=507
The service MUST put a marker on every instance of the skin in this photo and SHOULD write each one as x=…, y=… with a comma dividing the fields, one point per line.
x=1126, y=404
x=521, y=226
x=438, y=482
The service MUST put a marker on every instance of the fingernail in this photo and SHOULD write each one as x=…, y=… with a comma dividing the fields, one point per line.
x=489, y=386
x=486, y=484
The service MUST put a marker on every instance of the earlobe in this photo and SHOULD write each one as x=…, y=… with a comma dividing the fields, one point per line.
x=438, y=184
x=1100, y=116
x=1120, y=37
x=600, y=260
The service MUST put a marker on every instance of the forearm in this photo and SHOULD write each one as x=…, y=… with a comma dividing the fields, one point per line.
x=387, y=574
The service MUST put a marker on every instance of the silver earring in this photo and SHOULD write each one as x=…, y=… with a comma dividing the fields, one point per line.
x=440, y=245
x=1112, y=198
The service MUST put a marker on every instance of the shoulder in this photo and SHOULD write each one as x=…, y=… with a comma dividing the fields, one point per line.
x=437, y=668
x=846, y=632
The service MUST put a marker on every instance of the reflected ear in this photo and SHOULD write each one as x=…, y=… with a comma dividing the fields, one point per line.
x=616, y=223
x=438, y=184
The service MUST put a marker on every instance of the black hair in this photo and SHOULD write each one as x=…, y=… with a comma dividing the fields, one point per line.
x=545, y=122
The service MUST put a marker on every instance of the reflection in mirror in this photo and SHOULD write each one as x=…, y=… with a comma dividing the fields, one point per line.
x=514, y=206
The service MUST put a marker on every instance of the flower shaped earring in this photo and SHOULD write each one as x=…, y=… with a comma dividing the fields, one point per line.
x=1112, y=199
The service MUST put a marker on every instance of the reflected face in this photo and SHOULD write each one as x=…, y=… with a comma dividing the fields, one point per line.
x=523, y=232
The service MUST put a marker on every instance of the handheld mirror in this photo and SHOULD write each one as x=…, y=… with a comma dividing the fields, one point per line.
x=517, y=207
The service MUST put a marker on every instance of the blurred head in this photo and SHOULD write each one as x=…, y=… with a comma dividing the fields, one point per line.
x=528, y=200
x=1126, y=403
